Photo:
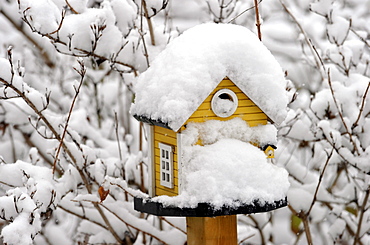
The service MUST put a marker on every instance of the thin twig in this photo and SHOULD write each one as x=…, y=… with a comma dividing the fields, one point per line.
x=130, y=225
x=362, y=212
x=82, y=217
x=84, y=53
x=81, y=72
x=30, y=143
x=141, y=33
x=61, y=22
x=319, y=183
x=149, y=21
x=341, y=114
x=45, y=55
x=243, y=12
x=171, y=224
x=117, y=135
x=361, y=38
x=302, y=215
x=258, y=23
x=263, y=242
x=71, y=8
x=58, y=137
x=306, y=38
x=244, y=239
x=306, y=226
x=362, y=106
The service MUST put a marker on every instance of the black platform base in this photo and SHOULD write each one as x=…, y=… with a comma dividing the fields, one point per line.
x=203, y=209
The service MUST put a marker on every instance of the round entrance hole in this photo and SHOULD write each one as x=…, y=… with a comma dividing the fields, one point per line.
x=224, y=103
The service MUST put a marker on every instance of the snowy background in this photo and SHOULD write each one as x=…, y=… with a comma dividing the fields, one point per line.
x=67, y=77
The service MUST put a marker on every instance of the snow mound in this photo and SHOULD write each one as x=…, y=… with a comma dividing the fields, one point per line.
x=192, y=65
x=228, y=173
x=211, y=131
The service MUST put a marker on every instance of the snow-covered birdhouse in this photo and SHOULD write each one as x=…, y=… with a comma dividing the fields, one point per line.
x=210, y=101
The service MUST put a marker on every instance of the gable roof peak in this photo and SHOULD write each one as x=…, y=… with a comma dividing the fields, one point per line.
x=192, y=65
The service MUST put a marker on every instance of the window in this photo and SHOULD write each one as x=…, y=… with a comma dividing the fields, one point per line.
x=224, y=103
x=166, y=165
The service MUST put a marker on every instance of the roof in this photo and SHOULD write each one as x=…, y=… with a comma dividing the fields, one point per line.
x=192, y=65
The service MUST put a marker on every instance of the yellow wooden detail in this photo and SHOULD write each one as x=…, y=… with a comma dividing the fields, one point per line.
x=164, y=139
x=226, y=82
x=241, y=103
x=168, y=137
x=246, y=110
x=270, y=152
x=161, y=190
x=212, y=230
x=251, y=123
x=165, y=131
x=246, y=113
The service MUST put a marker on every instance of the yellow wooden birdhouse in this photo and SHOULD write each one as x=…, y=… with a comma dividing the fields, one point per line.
x=209, y=102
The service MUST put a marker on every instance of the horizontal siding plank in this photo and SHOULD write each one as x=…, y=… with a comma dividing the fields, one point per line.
x=165, y=131
x=226, y=82
x=166, y=191
x=251, y=122
x=165, y=139
x=242, y=113
x=241, y=102
x=239, y=110
x=257, y=122
x=239, y=95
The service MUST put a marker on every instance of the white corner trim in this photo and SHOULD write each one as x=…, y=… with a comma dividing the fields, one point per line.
x=151, y=163
x=179, y=164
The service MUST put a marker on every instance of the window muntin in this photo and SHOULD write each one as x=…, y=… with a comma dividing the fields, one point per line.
x=166, y=165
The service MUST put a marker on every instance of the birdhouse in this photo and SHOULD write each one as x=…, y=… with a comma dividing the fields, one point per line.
x=209, y=102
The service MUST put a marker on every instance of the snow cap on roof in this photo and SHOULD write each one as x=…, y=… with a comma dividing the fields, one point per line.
x=192, y=65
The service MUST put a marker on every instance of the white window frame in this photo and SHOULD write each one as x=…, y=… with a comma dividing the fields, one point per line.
x=166, y=165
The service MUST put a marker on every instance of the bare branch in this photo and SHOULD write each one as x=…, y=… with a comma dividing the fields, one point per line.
x=71, y=8
x=243, y=12
x=45, y=55
x=319, y=183
x=355, y=124
x=132, y=226
x=306, y=38
x=258, y=23
x=341, y=114
x=356, y=239
x=81, y=72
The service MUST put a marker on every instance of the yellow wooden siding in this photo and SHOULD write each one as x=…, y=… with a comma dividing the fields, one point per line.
x=247, y=109
x=168, y=137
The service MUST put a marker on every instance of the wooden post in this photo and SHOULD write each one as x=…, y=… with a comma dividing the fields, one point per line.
x=220, y=230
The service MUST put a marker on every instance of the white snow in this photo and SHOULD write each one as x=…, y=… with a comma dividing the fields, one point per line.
x=5, y=70
x=229, y=172
x=338, y=30
x=43, y=14
x=322, y=7
x=77, y=31
x=213, y=130
x=192, y=65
